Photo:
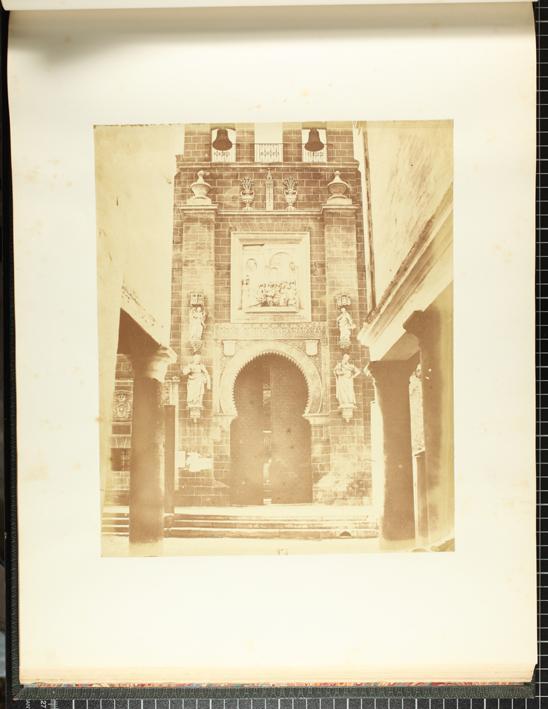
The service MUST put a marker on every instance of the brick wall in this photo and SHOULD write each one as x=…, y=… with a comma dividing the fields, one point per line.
x=197, y=146
x=245, y=142
x=340, y=143
x=292, y=140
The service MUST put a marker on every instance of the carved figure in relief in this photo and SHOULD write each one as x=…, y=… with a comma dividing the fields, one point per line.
x=277, y=294
x=345, y=325
x=345, y=373
x=249, y=284
x=196, y=317
x=122, y=405
x=270, y=278
x=197, y=380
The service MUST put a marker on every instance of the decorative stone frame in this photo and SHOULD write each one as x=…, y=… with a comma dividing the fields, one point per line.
x=300, y=239
x=226, y=405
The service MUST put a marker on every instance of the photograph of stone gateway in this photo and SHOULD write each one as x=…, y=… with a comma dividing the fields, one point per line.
x=276, y=337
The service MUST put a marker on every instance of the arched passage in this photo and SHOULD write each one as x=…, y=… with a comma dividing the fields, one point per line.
x=270, y=438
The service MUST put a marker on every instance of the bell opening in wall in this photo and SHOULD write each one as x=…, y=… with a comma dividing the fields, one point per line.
x=223, y=145
x=222, y=142
x=314, y=143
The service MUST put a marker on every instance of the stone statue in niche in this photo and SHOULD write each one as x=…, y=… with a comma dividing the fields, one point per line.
x=345, y=373
x=345, y=325
x=197, y=380
x=196, y=324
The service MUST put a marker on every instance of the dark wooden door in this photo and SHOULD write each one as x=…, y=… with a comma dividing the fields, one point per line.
x=246, y=437
x=270, y=439
x=290, y=473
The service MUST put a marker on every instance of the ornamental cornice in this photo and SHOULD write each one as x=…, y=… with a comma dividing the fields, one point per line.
x=256, y=212
x=270, y=331
x=287, y=165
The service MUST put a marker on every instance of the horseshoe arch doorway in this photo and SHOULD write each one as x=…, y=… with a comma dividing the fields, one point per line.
x=269, y=438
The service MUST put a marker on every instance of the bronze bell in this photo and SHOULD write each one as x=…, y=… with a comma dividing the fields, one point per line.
x=222, y=142
x=314, y=144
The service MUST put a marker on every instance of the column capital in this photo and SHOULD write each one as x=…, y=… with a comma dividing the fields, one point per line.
x=421, y=323
x=153, y=365
x=391, y=371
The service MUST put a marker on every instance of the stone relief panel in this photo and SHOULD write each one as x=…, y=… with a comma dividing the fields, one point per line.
x=270, y=277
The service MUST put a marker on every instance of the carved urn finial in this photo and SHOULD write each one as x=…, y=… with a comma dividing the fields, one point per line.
x=247, y=193
x=290, y=191
x=200, y=191
x=338, y=191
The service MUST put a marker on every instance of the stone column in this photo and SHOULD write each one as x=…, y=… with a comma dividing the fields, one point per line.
x=169, y=458
x=146, y=486
x=392, y=395
x=433, y=329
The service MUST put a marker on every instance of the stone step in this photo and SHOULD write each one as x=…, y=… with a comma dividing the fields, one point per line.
x=122, y=530
x=237, y=523
x=214, y=499
x=220, y=520
x=273, y=533
x=253, y=526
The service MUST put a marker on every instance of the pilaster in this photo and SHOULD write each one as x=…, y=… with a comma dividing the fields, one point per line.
x=349, y=474
x=198, y=286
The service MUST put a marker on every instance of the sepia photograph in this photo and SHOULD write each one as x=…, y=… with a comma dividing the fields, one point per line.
x=276, y=337
x=274, y=347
